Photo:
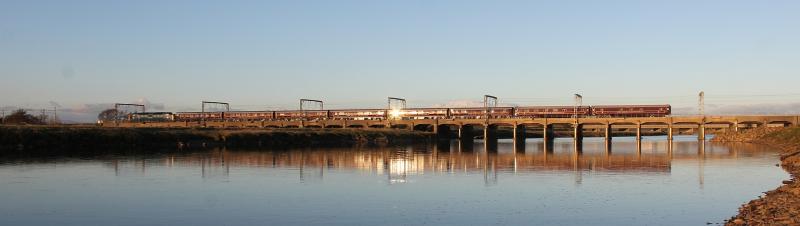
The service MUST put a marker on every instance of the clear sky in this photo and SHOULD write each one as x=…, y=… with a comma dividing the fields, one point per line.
x=267, y=54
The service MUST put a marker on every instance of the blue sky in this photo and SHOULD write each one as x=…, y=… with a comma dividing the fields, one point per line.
x=268, y=54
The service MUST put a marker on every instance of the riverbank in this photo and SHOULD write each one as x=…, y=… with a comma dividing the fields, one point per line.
x=26, y=139
x=782, y=205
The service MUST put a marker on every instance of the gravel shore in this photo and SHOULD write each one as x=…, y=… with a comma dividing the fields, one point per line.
x=782, y=205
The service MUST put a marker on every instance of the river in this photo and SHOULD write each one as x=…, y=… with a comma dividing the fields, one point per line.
x=654, y=182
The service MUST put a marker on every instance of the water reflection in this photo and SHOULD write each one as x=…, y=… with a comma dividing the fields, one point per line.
x=399, y=164
x=653, y=181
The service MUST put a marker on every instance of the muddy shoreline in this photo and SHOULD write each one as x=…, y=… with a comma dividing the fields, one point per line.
x=780, y=206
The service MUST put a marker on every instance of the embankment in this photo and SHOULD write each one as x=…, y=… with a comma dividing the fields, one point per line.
x=21, y=139
x=782, y=205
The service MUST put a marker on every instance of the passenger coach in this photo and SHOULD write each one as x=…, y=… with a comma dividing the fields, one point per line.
x=358, y=114
x=609, y=111
x=553, y=111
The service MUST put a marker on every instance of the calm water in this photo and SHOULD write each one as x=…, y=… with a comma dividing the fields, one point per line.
x=438, y=184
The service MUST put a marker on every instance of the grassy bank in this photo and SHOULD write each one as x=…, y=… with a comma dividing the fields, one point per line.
x=782, y=205
x=15, y=139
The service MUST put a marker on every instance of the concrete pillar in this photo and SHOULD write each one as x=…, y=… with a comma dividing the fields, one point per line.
x=577, y=131
x=460, y=132
x=736, y=126
x=489, y=132
x=489, y=138
x=608, y=137
x=436, y=129
x=544, y=133
x=638, y=131
x=669, y=132
x=701, y=149
x=548, y=136
x=701, y=132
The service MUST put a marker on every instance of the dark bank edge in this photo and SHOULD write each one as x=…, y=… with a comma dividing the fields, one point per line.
x=23, y=140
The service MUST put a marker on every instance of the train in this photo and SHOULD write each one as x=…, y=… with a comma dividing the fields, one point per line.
x=597, y=111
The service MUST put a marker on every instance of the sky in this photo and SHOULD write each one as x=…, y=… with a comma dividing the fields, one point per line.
x=83, y=56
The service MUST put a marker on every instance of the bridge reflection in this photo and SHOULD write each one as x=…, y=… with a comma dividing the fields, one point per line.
x=400, y=163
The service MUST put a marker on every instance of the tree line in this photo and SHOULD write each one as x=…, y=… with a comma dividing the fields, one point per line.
x=22, y=117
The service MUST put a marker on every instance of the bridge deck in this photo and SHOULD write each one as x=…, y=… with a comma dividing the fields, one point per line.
x=695, y=124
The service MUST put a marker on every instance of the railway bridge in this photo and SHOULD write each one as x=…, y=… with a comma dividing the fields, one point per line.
x=521, y=128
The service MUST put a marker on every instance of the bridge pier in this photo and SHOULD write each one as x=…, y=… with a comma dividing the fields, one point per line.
x=669, y=132
x=638, y=131
x=490, y=138
x=577, y=130
x=489, y=132
x=608, y=137
x=548, y=137
x=701, y=132
x=701, y=149
x=736, y=126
